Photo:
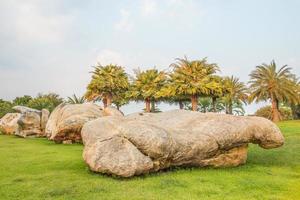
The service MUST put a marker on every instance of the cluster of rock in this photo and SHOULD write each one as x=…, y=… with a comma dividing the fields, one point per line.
x=63, y=125
x=25, y=122
x=142, y=143
x=146, y=142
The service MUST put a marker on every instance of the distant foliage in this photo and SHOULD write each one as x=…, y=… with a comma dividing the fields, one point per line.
x=47, y=101
x=5, y=107
x=296, y=111
x=76, y=100
x=266, y=112
x=22, y=101
x=205, y=104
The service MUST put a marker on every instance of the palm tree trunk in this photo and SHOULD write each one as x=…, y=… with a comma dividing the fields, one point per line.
x=214, y=104
x=147, y=101
x=229, y=108
x=194, y=100
x=180, y=105
x=152, y=106
x=275, y=110
x=104, y=100
x=109, y=99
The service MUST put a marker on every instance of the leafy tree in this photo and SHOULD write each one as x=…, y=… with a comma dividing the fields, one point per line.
x=191, y=78
x=268, y=83
x=236, y=94
x=5, y=107
x=146, y=86
x=22, y=101
x=76, y=100
x=47, y=101
x=107, y=82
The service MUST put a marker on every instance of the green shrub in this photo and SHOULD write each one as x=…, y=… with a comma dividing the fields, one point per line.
x=5, y=107
x=266, y=112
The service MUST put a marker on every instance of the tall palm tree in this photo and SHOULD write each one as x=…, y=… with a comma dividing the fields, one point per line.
x=268, y=83
x=76, y=100
x=236, y=93
x=191, y=78
x=107, y=81
x=146, y=86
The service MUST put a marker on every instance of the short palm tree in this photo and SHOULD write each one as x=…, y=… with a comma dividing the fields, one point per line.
x=191, y=78
x=268, y=83
x=107, y=81
x=168, y=93
x=76, y=100
x=146, y=86
x=217, y=90
x=236, y=93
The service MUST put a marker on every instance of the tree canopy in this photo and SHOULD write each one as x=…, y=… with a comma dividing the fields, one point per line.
x=107, y=81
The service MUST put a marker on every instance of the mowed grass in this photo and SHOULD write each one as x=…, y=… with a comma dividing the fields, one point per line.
x=40, y=169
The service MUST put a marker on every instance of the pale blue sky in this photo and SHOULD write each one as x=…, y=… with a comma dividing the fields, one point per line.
x=50, y=45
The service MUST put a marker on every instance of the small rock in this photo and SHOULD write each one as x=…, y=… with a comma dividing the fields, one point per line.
x=67, y=142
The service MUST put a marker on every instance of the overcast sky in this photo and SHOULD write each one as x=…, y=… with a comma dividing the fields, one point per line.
x=49, y=45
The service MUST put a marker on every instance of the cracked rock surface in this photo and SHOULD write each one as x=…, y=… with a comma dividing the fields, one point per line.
x=143, y=143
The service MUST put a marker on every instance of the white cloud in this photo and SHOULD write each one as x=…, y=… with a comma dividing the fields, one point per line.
x=148, y=7
x=125, y=24
x=31, y=21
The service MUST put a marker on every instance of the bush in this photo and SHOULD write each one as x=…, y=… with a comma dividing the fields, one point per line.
x=266, y=112
x=5, y=107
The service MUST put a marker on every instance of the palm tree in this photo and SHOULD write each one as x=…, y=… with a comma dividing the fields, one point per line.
x=217, y=90
x=295, y=105
x=191, y=78
x=120, y=99
x=76, y=100
x=107, y=81
x=146, y=86
x=168, y=93
x=236, y=93
x=268, y=83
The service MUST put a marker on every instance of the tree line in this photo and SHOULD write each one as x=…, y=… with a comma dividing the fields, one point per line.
x=191, y=84
x=195, y=85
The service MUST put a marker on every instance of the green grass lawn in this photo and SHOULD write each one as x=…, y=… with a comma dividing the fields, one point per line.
x=40, y=169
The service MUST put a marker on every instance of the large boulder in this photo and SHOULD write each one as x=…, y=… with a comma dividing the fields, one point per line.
x=66, y=121
x=142, y=143
x=9, y=123
x=31, y=122
x=44, y=119
x=24, y=109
